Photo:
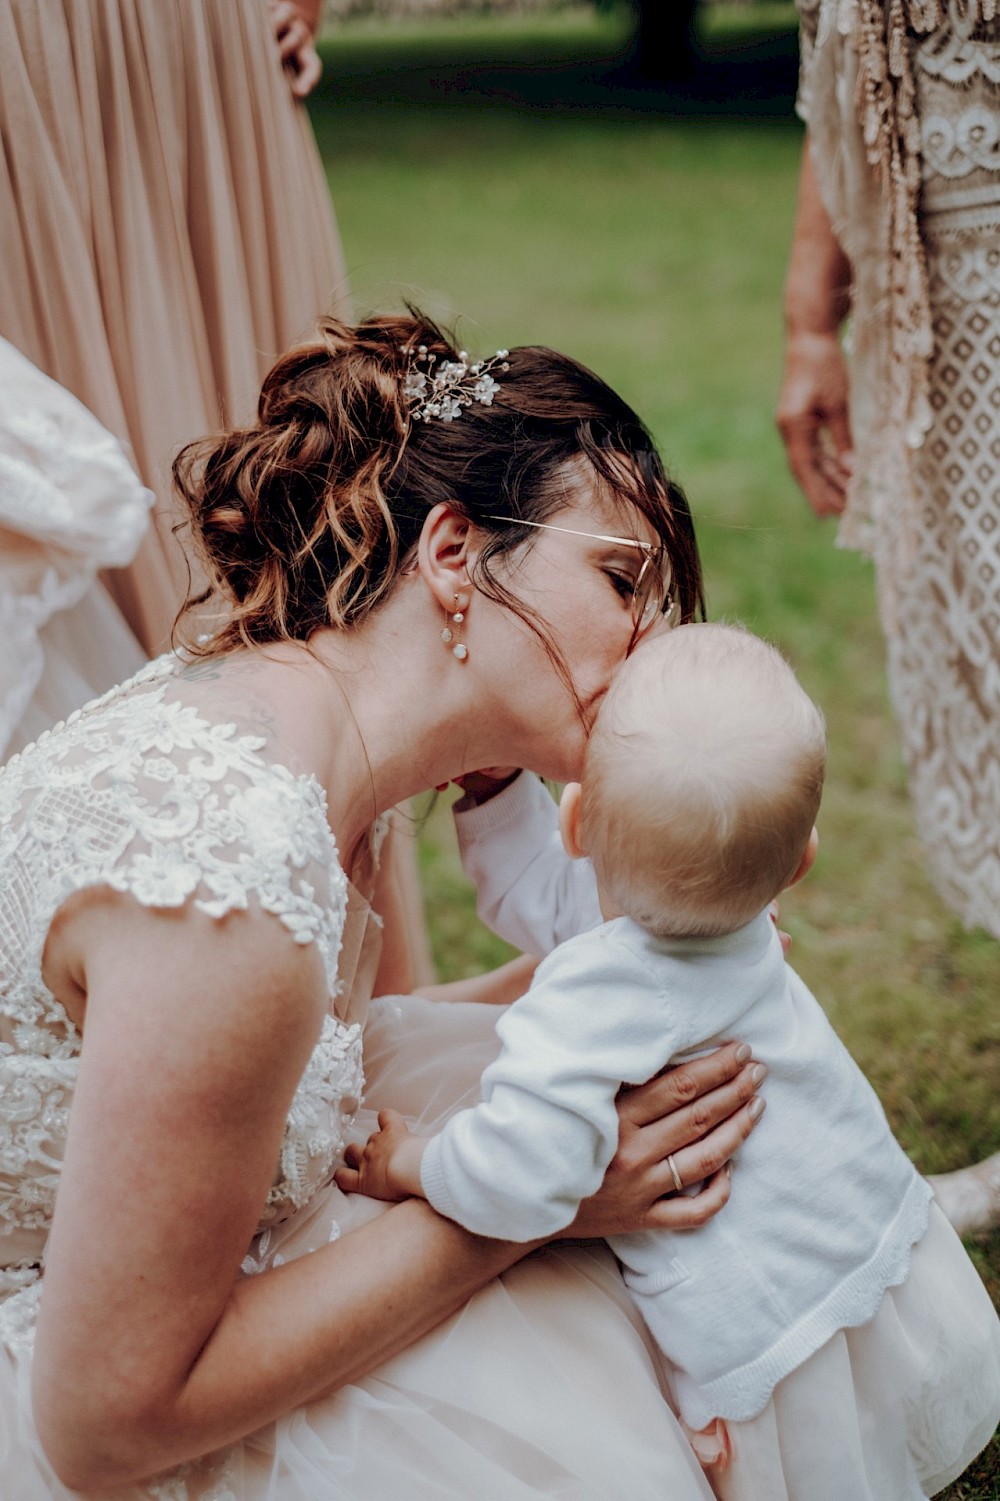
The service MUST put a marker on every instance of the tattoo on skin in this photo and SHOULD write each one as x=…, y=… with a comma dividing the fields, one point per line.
x=254, y=713
x=201, y=672
x=260, y=716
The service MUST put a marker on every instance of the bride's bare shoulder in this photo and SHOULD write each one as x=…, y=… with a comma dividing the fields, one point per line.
x=269, y=691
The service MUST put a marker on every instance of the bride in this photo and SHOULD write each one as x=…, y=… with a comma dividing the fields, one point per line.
x=421, y=568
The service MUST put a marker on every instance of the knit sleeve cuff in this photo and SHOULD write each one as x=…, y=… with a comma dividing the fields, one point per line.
x=435, y=1187
x=515, y=806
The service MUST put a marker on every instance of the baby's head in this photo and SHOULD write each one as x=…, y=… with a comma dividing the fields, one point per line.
x=701, y=784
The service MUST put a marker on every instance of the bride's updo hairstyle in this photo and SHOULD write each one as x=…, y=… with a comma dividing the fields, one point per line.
x=306, y=517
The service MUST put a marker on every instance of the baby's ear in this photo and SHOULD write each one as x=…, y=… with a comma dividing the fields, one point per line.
x=806, y=863
x=569, y=821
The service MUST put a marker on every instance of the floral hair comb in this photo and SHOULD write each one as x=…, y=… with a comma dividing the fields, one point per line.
x=442, y=390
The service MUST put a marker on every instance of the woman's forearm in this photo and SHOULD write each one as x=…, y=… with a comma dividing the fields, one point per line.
x=813, y=412
x=818, y=283
x=285, y=1338
x=497, y=987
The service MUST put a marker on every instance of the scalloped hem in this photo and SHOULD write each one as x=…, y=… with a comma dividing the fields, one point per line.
x=740, y=1395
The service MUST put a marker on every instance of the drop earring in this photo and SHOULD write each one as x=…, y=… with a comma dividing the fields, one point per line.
x=459, y=650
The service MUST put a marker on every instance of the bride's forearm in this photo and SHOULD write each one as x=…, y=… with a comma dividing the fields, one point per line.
x=285, y=1338
x=497, y=987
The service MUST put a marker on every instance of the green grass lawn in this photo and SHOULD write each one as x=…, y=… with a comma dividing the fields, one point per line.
x=501, y=171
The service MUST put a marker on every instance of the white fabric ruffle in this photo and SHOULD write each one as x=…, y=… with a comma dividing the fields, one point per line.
x=70, y=504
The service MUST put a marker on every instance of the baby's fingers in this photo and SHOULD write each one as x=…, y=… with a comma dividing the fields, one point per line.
x=348, y=1179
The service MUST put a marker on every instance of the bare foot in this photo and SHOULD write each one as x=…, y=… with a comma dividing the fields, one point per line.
x=970, y=1197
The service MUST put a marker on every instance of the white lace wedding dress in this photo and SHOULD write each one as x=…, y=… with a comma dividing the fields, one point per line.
x=544, y=1385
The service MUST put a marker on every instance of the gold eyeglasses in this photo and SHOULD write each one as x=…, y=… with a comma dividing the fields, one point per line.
x=651, y=592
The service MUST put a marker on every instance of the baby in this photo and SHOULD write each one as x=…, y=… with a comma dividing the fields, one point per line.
x=826, y=1335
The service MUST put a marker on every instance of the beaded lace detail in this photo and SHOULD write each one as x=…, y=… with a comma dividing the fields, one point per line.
x=140, y=793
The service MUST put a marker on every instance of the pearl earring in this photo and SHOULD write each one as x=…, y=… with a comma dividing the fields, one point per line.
x=460, y=651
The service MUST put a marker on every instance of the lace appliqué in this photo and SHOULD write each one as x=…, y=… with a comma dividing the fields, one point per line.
x=212, y=1479
x=20, y=1288
x=324, y=1106
x=140, y=793
x=144, y=795
x=35, y=1097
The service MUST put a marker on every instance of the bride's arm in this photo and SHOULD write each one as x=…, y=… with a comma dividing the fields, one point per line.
x=497, y=987
x=150, y=1349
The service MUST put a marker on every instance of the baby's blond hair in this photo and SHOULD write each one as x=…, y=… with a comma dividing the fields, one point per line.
x=702, y=781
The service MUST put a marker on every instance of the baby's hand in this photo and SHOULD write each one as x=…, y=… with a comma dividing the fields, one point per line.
x=388, y=1165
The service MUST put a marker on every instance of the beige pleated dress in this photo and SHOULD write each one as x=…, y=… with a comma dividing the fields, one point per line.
x=167, y=231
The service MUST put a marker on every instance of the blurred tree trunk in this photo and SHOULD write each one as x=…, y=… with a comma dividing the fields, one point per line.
x=664, y=47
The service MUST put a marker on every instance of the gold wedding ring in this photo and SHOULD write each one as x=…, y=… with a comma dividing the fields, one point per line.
x=671, y=1164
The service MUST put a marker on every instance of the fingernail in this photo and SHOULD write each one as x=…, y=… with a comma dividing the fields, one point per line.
x=743, y=1052
x=758, y=1073
x=756, y=1108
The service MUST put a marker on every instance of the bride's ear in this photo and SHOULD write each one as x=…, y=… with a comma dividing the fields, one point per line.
x=443, y=555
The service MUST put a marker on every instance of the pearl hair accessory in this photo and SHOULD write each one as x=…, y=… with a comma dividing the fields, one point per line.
x=459, y=651
x=442, y=390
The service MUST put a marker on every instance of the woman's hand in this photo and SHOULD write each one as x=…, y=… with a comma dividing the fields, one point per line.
x=812, y=413
x=813, y=419
x=294, y=23
x=694, y=1116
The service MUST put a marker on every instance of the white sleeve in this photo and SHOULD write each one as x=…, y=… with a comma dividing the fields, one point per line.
x=528, y=890
x=516, y=1166
x=70, y=504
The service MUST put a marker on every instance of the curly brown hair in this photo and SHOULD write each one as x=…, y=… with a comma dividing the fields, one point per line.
x=306, y=517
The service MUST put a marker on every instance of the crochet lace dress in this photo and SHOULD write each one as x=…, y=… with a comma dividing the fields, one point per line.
x=903, y=105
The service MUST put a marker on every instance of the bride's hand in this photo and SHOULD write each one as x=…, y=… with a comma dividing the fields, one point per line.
x=693, y=1116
